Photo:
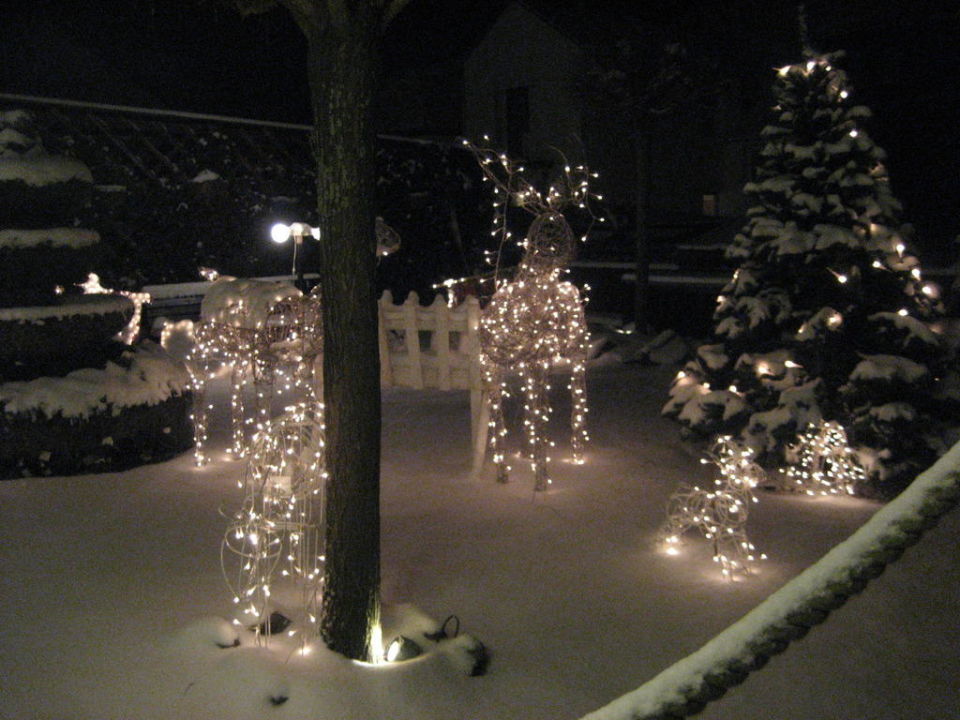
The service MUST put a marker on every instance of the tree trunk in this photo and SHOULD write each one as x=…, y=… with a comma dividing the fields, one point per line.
x=343, y=72
x=641, y=297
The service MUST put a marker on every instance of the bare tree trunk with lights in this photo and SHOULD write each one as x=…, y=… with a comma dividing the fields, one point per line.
x=342, y=80
x=343, y=38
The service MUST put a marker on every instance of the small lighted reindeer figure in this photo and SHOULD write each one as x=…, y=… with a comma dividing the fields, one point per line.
x=534, y=323
x=266, y=332
x=719, y=512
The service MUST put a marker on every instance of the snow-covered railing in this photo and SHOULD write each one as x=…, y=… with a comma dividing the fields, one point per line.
x=435, y=347
x=687, y=686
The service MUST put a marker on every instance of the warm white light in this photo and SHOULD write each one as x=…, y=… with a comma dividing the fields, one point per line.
x=315, y=232
x=535, y=320
x=280, y=233
x=720, y=513
x=827, y=465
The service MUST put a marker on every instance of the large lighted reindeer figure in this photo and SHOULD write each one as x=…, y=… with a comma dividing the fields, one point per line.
x=534, y=323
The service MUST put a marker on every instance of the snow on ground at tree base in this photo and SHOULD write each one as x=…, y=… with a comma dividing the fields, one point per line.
x=112, y=586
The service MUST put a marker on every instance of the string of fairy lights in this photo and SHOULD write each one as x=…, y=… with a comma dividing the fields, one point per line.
x=534, y=323
x=277, y=354
x=826, y=464
x=130, y=332
x=720, y=511
x=276, y=536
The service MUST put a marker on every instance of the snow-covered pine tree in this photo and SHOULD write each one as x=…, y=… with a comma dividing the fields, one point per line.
x=827, y=315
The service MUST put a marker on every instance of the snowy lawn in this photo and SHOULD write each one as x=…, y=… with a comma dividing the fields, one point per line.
x=109, y=584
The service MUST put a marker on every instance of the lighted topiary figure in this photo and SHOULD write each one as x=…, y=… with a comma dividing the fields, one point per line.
x=827, y=315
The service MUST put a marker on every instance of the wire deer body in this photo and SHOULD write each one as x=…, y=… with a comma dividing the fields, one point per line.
x=719, y=512
x=276, y=349
x=534, y=323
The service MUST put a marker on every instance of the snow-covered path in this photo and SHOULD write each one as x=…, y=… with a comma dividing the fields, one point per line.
x=106, y=581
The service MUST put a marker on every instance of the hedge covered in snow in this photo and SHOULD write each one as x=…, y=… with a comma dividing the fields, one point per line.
x=132, y=411
x=34, y=338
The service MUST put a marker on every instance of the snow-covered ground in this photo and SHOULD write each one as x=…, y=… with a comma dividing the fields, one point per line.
x=110, y=584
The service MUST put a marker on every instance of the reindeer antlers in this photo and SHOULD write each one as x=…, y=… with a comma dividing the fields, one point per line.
x=571, y=189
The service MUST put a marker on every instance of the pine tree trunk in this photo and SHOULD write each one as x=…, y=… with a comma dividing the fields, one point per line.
x=641, y=297
x=343, y=72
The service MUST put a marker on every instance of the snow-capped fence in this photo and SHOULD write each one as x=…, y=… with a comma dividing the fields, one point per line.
x=685, y=687
x=435, y=347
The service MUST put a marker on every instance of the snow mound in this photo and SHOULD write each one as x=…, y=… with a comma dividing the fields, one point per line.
x=56, y=237
x=243, y=303
x=151, y=378
x=205, y=176
x=39, y=171
x=891, y=412
x=888, y=367
x=914, y=328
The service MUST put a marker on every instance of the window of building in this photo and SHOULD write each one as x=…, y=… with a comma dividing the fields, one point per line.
x=711, y=205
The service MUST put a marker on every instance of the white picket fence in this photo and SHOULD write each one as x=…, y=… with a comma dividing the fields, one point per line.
x=435, y=347
x=432, y=347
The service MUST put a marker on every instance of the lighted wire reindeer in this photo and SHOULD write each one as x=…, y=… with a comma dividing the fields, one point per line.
x=268, y=333
x=719, y=512
x=232, y=312
x=534, y=323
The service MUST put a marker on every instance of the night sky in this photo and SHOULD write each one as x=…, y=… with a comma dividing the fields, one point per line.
x=199, y=55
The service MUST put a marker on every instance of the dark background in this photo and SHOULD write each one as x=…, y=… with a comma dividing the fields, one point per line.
x=902, y=60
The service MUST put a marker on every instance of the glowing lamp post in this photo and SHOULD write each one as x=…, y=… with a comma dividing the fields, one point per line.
x=280, y=233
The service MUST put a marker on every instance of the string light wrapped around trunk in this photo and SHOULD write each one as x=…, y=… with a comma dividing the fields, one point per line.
x=720, y=511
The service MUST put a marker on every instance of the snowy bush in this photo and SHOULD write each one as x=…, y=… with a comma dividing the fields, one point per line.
x=131, y=411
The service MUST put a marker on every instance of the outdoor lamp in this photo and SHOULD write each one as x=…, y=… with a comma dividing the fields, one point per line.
x=281, y=232
x=402, y=648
